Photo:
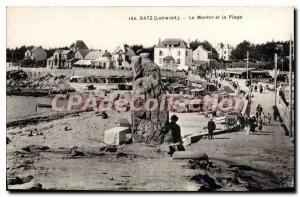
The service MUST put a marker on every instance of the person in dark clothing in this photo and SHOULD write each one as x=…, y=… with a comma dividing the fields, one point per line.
x=275, y=113
x=259, y=110
x=257, y=114
x=255, y=88
x=241, y=120
x=252, y=123
x=176, y=142
x=175, y=129
x=211, y=126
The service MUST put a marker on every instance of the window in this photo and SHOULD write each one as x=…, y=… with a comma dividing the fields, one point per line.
x=160, y=60
x=178, y=53
x=224, y=57
x=224, y=52
x=186, y=53
x=161, y=53
x=178, y=61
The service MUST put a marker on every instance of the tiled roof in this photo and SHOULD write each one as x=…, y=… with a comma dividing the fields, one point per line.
x=83, y=52
x=93, y=55
x=79, y=44
x=173, y=42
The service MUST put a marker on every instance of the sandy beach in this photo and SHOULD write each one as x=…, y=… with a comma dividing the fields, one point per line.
x=238, y=162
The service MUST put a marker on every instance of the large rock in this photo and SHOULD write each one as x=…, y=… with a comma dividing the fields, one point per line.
x=148, y=125
x=116, y=135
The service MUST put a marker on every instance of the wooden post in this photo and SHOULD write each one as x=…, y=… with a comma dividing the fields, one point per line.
x=275, y=77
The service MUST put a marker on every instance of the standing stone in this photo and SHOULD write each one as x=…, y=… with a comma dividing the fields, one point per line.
x=148, y=125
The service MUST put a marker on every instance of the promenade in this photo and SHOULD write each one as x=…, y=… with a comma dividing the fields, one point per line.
x=269, y=150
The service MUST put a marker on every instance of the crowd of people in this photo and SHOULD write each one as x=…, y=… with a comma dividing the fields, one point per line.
x=259, y=87
x=259, y=119
x=253, y=123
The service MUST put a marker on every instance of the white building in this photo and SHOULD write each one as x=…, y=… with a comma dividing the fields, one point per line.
x=201, y=54
x=172, y=53
x=224, y=51
x=121, y=57
x=104, y=62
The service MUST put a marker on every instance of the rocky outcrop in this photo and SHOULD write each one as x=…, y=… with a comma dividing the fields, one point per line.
x=149, y=123
x=19, y=82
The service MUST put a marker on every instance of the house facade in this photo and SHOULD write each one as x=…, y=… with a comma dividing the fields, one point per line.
x=121, y=57
x=35, y=56
x=65, y=58
x=172, y=53
x=201, y=54
x=86, y=62
x=36, y=53
x=224, y=51
x=61, y=59
x=104, y=62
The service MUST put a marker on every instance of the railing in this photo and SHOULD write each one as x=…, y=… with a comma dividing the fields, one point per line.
x=284, y=113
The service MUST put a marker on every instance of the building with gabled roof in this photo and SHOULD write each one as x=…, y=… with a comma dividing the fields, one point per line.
x=36, y=53
x=104, y=62
x=35, y=56
x=81, y=53
x=121, y=56
x=87, y=61
x=224, y=51
x=79, y=44
x=200, y=54
x=65, y=58
x=171, y=53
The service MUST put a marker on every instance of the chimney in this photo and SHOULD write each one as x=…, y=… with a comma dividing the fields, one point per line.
x=188, y=43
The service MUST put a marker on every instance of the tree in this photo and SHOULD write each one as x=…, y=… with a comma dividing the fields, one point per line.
x=16, y=54
x=138, y=49
x=240, y=52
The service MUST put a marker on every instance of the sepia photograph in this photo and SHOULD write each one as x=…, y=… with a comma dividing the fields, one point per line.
x=144, y=99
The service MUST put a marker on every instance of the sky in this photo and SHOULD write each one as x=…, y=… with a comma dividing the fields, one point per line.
x=107, y=27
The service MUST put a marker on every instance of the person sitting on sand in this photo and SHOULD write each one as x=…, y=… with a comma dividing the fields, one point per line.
x=104, y=115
